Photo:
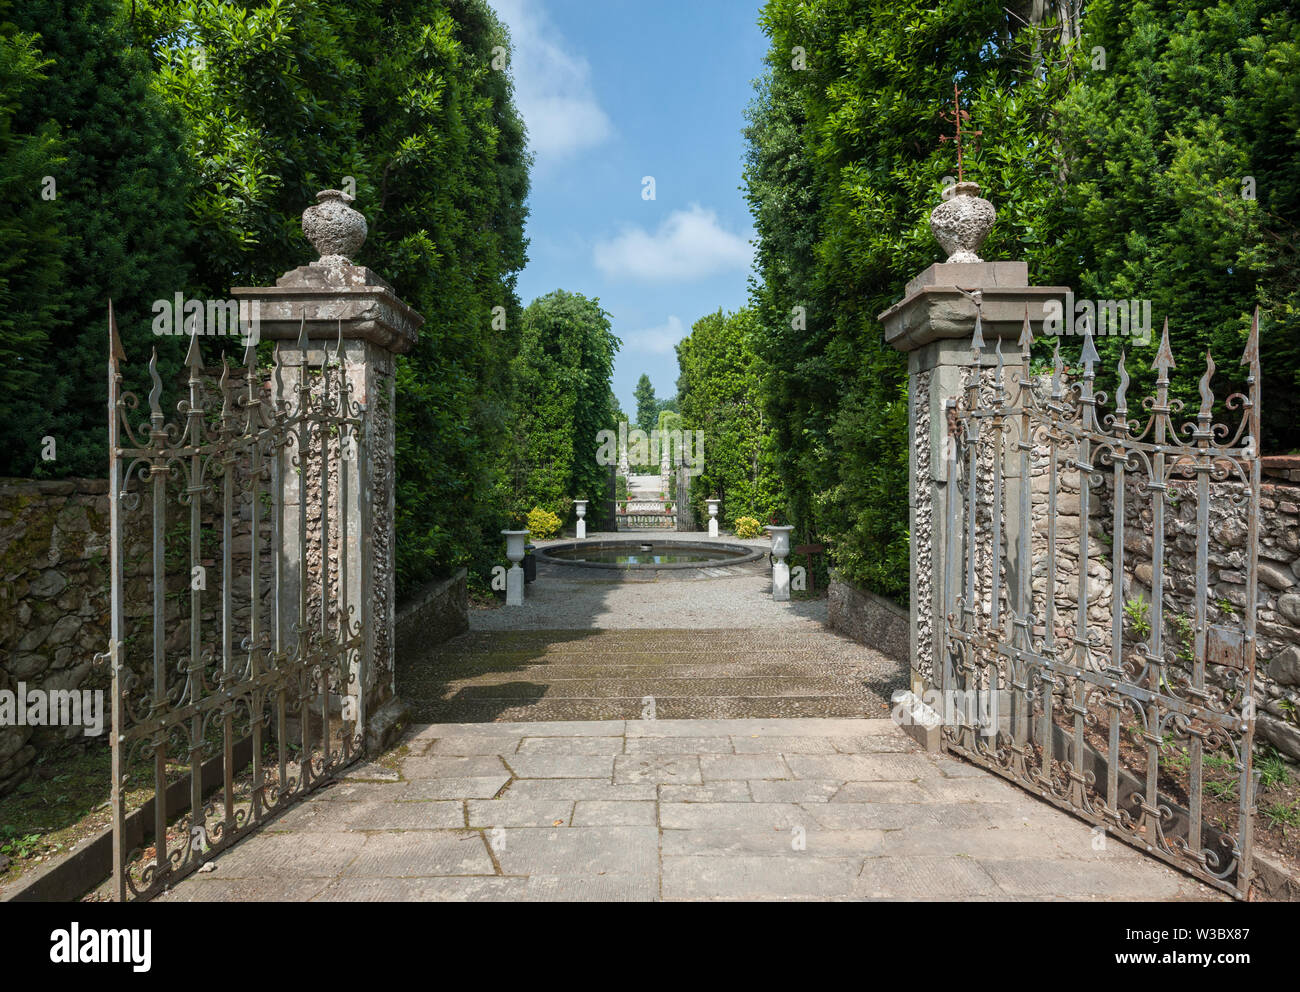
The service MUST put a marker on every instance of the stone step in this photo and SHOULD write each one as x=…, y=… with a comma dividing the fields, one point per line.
x=485, y=676
x=788, y=685
x=610, y=641
x=485, y=709
x=794, y=667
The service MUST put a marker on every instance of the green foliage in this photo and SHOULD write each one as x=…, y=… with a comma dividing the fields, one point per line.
x=32, y=264
x=720, y=395
x=542, y=524
x=80, y=105
x=1272, y=768
x=647, y=407
x=1136, y=611
x=844, y=165
x=284, y=99
x=1196, y=97
x=1122, y=182
x=747, y=528
x=561, y=380
x=1281, y=814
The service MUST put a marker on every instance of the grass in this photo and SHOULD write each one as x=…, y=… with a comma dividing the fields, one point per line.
x=64, y=802
x=1282, y=814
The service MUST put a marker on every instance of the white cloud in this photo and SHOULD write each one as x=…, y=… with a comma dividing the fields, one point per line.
x=553, y=88
x=690, y=244
x=661, y=340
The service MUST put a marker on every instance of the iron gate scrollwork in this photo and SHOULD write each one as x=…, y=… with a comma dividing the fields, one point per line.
x=235, y=655
x=1062, y=672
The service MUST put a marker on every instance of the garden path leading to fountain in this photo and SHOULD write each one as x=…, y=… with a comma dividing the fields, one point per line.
x=598, y=644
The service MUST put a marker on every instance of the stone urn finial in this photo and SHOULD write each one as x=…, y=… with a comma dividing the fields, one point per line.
x=335, y=230
x=962, y=221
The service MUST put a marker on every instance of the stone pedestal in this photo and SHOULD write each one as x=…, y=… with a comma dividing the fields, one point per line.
x=934, y=323
x=780, y=570
x=580, y=508
x=713, y=516
x=345, y=309
x=515, y=541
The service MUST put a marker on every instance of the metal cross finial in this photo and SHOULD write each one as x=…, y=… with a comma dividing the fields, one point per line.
x=956, y=116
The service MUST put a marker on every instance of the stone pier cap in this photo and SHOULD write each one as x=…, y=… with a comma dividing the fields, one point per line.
x=937, y=304
x=333, y=299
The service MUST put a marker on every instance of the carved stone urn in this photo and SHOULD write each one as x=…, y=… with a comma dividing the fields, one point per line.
x=515, y=550
x=713, y=505
x=335, y=230
x=962, y=221
x=780, y=570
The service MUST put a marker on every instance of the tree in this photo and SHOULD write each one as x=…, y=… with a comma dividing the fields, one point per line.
x=1184, y=165
x=647, y=407
x=843, y=167
x=561, y=382
x=720, y=389
x=32, y=293
x=117, y=221
x=400, y=100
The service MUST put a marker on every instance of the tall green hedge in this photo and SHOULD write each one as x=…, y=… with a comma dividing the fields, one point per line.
x=562, y=401
x=1121, y=179
x=399, y=99
x=720, y=392
x=95, y=123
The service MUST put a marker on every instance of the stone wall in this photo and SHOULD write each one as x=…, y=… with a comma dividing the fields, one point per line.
x=1277, y=670
x=436, y=613
x=869, y=619
x=53, y=601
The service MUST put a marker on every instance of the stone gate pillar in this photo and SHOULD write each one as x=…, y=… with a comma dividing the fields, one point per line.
x=934, y=324
x=332, y=304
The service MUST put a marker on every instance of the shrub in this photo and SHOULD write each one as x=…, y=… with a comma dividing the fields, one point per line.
x=543, y=524
x=747, y=527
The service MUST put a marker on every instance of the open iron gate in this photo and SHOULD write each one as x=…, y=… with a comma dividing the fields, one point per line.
x=1059, y=674
x=235, y=657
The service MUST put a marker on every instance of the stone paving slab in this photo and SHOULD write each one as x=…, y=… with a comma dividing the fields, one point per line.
x=798, y=809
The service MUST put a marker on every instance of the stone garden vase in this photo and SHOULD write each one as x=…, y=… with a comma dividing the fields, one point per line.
x=335, y=230
x=962, y=221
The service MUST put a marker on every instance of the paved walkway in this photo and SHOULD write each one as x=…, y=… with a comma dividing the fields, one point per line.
x=594, y=802
x=593, y=644
x=808, y=809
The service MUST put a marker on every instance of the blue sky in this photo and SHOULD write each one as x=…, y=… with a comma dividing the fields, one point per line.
x=613, y=91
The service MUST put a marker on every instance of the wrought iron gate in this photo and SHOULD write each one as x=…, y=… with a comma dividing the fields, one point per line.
x=235, y=693
x=1107, y=703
